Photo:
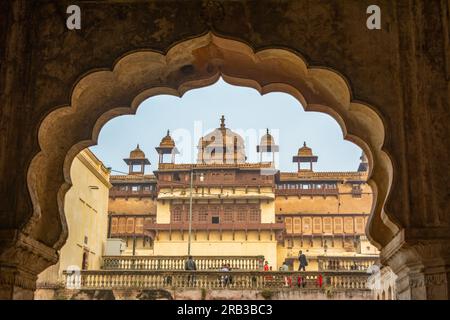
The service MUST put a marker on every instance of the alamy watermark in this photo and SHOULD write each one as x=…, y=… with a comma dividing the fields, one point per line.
x=73, y=21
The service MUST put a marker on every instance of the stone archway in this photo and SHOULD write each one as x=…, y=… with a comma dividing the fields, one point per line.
x=104, y=94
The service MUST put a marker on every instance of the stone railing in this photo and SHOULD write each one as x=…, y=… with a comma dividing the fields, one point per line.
x=130, y=193
x=177, y=263
x=307, y=192
x=361, y=263
x=123, y=279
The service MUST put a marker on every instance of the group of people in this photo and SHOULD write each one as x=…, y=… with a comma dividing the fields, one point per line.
x=190, y=265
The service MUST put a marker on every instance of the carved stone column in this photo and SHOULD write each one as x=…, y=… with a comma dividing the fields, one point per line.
x=21, y=260
x=422, y=264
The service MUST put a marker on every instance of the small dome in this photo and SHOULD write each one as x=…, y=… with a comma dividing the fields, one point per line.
x=305, y=151
x=267, y=140
x=137, y=153
x=363, y=157
x=167, y=141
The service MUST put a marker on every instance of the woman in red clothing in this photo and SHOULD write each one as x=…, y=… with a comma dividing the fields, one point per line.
x=319, y=281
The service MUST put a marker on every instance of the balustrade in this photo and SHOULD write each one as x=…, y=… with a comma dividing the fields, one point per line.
x=327, y=263
x=307, y=192
x=177, y=263
x=124, y=279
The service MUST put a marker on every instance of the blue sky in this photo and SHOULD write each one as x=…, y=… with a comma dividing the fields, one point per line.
x=246, y=112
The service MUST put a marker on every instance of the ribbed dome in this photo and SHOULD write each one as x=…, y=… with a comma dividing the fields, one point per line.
x=167, y=141
x=305, y=151
x=221, y=146
x=267, y=140
x=137, y=153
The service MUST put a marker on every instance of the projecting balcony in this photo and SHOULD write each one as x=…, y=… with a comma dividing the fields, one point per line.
x=238, y=280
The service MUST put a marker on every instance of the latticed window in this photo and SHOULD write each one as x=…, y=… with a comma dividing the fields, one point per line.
x=242, y=214
x=176, y=214
x=228, y=214
x=254, y=215
x=356, y=191
x=203, y=214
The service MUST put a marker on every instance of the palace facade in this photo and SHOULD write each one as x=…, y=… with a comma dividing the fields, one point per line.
x=240, y=208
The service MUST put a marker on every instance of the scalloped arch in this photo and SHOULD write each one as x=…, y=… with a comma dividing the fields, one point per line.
x=104, y=94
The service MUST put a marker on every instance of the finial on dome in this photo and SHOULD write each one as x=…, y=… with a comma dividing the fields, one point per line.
x=304, y=143
x=267, y=130
x=168, y=132
x=222, y=122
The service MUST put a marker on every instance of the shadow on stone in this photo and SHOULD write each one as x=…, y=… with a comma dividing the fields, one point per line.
x=94, y=295
x=154, y=295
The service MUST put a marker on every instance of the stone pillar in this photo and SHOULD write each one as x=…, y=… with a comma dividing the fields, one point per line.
x=421, y=264
x=21, y=260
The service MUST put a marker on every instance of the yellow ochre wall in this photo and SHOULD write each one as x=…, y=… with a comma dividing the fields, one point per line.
x=344, y=203
x=176, y=246
x=86, y=210
x=132, y=205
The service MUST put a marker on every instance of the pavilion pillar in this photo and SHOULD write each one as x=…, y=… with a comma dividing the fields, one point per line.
x=22, y=259
x=422, y=265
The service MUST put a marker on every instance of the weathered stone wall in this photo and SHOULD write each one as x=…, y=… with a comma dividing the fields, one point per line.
x=275, y=294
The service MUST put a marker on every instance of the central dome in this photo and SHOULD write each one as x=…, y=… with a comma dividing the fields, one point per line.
x=221, y=146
